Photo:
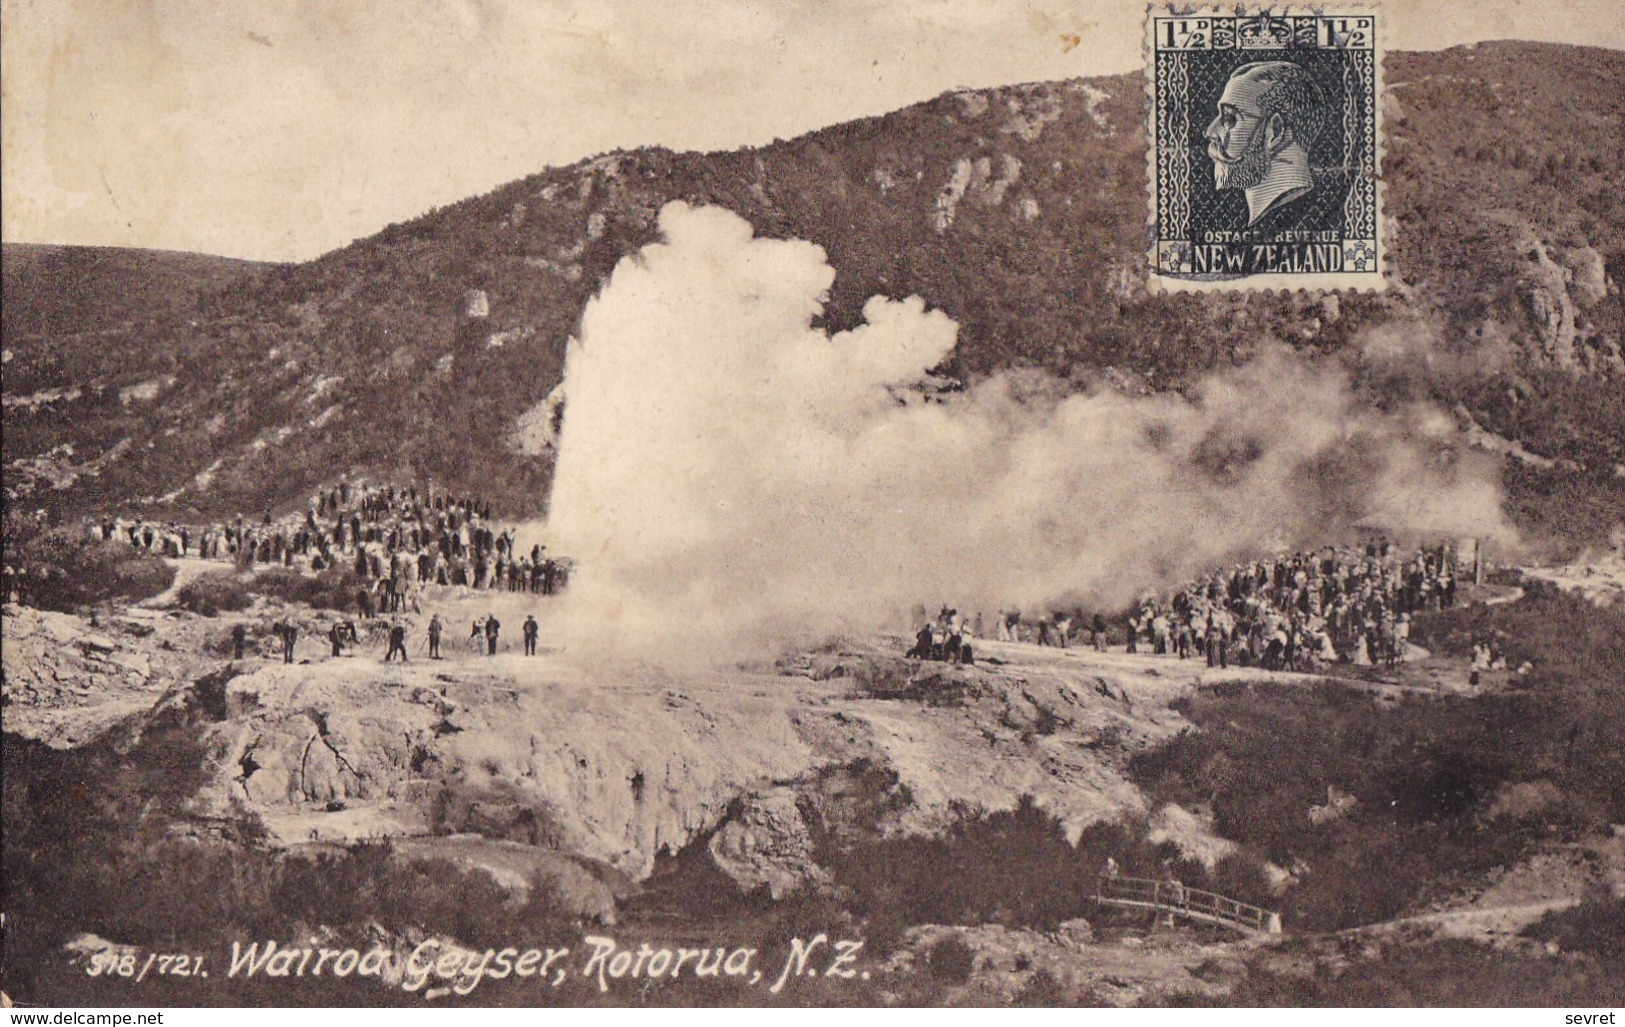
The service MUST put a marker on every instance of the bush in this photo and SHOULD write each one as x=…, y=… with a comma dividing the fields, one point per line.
x=1445, y=972
x=213, y=594
x=330, y=590
x=90, y=847
x=1042, y=989
x=67, y=570
x=1596, y=925
x=1014, y=867
x=1431, y=774
x=951, y=960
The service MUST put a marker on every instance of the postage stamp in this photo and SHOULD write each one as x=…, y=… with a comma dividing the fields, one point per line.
x=1265, y=139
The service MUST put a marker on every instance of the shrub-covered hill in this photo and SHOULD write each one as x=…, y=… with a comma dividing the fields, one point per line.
x=64, y=291
x=1018, y=210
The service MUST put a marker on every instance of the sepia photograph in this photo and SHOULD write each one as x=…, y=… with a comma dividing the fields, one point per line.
x=812, y=503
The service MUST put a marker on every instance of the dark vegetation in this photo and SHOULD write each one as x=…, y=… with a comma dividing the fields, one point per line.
x=228, y=591
x=66, y=570
x=214, y=593
x=1493, y=177
x=1595, y=927
x=331, y=589
x=1427, y=771
x=92, y=846
x=951, y=959
x=1436, y=973
x=73, y=290
x=1014, y=868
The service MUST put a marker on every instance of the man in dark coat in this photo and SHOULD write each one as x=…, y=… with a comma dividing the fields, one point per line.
x=531, y=630
x=492, y=626
x=289, y=633
x=397, y=642
x=434, y=637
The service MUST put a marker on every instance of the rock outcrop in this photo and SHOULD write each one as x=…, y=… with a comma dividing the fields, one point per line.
x=68, y=679
x=616, y=766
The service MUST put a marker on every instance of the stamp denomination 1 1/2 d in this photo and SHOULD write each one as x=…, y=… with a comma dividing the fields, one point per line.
x=1264, y=149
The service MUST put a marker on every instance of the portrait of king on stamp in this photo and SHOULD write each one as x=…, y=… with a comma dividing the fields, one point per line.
x=1264, y=137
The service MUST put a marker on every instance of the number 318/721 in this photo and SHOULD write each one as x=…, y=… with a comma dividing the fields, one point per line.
x=130, y=964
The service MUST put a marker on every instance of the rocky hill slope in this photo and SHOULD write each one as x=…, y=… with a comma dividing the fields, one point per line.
x=620, y=765
x=1017, y=210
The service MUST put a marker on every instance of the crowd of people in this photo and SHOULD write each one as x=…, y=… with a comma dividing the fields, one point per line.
x=1297, y=612
x=1303, y=611
x=395, y=540
x=947, y=638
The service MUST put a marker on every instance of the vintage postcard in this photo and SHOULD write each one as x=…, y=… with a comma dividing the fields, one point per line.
x=867, y=503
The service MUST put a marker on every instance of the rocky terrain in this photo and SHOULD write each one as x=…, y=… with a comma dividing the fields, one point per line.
x=615, y=764
x=587, y=787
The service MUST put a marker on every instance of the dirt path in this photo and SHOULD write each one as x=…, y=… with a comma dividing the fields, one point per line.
x=1473, y=923
x=187, y=570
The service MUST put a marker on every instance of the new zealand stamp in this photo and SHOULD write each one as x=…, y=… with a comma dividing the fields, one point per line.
x=1264, y=149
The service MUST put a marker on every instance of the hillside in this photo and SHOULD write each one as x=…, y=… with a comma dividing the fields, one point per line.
x=57, y=291
x=1016, y=210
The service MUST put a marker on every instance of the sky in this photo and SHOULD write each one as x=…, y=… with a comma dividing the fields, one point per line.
x=282, y=129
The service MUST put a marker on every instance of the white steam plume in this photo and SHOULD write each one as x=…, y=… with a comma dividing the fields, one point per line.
x=732, y=480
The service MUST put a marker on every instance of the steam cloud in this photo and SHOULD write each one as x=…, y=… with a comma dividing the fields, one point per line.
x=732, y=481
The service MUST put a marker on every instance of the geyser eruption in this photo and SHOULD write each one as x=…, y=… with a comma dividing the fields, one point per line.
x=732, y=481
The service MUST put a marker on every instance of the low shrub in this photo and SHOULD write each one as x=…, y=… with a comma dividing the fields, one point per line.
x=1445, y=787
x=1043, y=989
x=67, y=570
x=212, y=594
x=329, y=590
x=951, y=960
x=1596, y=926
x=1013, y=867
x=90, y=848
x=1444, y=972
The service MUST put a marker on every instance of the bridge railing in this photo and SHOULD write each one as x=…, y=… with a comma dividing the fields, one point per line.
x=1179, y=899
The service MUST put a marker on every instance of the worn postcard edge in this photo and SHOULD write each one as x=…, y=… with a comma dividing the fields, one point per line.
x=1335, y=282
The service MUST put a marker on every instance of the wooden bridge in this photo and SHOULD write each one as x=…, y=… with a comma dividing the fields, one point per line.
x=1191, y=903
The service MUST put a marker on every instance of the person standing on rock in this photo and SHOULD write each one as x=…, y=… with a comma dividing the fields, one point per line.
x=397, y=642
x=531, y=630
x=335, y=635
x=290, y=634
x=492, y=626
x=239, y=641
x=435, y=628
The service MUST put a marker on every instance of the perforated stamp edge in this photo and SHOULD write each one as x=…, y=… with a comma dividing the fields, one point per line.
x=1376, y=280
